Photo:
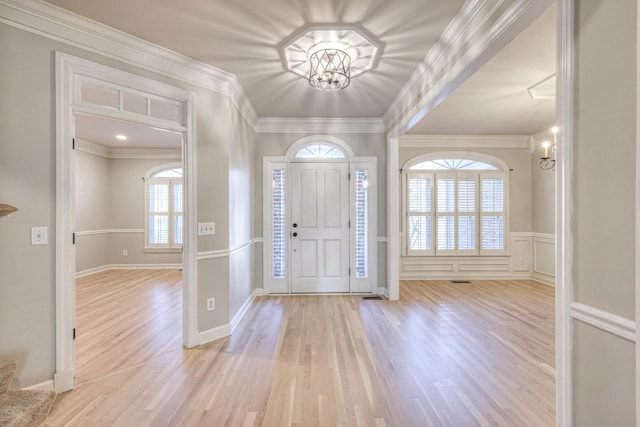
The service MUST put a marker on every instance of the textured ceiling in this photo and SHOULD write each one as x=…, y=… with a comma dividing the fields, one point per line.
x=242, y=37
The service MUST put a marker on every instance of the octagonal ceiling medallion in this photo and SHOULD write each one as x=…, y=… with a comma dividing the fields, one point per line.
x=362, y=48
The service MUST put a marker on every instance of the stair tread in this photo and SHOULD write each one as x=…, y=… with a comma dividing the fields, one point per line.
x=7, y=370
x=25, y=408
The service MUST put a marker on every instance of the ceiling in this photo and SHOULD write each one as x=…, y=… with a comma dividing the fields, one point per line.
x=242, y=37
x=495, y=100
x=103, y=131
x=245, y=37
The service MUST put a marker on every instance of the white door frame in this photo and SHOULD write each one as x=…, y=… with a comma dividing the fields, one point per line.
x=271, y=163
x=69, y=70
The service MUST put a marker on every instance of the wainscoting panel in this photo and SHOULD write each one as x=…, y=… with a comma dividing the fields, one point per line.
x=530, y=256
x=544, y=258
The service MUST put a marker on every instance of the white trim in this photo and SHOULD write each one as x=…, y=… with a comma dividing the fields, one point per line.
x=107, y=267
x=110, y=231
x=637, y=236
x=319, y=125
x=245, y=307
x=464, y=141
x=604, y=320
x=214, y=334
x=223, y=253
x=475, y=34
x=436, y=155
x=544, y=279
x=43, y=386
x=127, y=153
x=383, y=291
x=542, y=236
x=380, y=239
x=299, y=144
x=393, y=217
x=58, y=24
x=564, y=212
x=63, y=381
x=70, y=70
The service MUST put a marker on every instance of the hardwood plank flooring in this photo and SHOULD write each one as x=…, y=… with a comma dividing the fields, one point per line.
x=479, y=354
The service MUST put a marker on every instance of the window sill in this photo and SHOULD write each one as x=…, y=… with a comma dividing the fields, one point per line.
x=163, y=250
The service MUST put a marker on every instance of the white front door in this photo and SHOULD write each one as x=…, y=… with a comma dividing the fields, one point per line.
x=319, y=227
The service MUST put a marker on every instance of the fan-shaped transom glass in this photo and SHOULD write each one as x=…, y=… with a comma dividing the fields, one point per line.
x=320, y=151
x=453, y=164
x=169, y=173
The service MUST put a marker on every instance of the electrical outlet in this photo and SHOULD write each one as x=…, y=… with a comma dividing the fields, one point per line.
x=206, y=228
x=124, y=252
x=39, y=236
x=211, y=304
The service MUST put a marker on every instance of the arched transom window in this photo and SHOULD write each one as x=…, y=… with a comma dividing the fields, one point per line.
x=320, y=151
x=164, y=207
x=455, y=205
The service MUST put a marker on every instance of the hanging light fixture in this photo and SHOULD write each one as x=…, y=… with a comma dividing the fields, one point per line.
x=329, y=69
x=546, y=161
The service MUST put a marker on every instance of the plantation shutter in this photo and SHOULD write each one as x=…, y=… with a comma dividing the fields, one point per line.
x=420, y=214
x=159, y=213
x=446, y=213
x=492, y=214
x=467, y=214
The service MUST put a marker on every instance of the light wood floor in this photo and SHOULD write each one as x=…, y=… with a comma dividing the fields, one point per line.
x=444, y=355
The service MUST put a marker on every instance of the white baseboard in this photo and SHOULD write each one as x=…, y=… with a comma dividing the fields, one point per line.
x=545, y=279
x=214, y=334
x=259, y=292
x=465, y=276
x=243, y=310
x=127, y=267
x=63, y=381
x=383, y=291
x=43, y=386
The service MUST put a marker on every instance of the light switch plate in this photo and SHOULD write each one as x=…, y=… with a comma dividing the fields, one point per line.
x=39, y=236
x=206, y=228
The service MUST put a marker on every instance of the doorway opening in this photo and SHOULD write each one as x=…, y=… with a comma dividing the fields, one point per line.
x=86, y=92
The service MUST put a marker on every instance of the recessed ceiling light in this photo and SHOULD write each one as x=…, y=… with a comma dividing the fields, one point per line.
x=121, y=137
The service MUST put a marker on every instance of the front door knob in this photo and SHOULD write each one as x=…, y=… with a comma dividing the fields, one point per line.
x=295, y=225
x=295, y=234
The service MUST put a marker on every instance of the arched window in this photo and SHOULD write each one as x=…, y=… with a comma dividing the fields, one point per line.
x=320, y=151
x=455, y=205
x=164, y=207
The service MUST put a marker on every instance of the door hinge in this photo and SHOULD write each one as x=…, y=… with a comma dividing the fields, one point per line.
x=74, y=333
x=349, y=223
x=349, y=271
x=73, y=238
x=349, y=176
x=73, y=143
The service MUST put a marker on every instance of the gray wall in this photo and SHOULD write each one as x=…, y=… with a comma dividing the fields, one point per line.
x=543, y=195
x=110, y=195
x=27, y=180
x=604, y=206
x=518, y=159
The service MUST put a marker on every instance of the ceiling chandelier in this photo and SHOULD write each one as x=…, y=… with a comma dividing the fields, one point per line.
x=546, y=162
x=329, y=69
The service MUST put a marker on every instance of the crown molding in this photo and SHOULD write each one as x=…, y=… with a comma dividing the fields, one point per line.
x=464, y=141
x=319, y=125
x=476, y=33
x=127, y=153
x=58, y=24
